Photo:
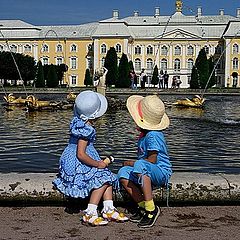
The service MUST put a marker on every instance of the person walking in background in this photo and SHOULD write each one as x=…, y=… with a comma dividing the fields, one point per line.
x=143, y=78
x=82, y=173
x=165, y=79
x=153, y=167
x=161, y=78
x=174, y=82
x=133, y=77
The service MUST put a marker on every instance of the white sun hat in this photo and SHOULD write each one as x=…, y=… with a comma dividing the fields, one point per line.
x=90, y=105
x=148, y=112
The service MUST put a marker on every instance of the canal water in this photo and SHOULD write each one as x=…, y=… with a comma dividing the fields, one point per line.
x=199, y=140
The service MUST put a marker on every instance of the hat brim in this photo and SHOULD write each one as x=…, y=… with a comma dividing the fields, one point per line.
x=132, y=106
x=104, y=105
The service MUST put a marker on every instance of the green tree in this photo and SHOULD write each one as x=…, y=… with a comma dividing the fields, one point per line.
x=202, y=66
x=87, y=79
x=111, y=63
x=52, y=78
x=39, y=80
x=10, y=63
x=212, y=80
x=131, y=66
x=194, y=82
x=123, y=73
x=155, y=76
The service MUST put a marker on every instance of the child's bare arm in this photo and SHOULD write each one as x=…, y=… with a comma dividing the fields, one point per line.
x=83, y=157
x=152, y=156
x=129, y=163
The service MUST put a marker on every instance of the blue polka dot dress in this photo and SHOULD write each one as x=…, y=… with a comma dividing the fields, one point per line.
x=76, y=179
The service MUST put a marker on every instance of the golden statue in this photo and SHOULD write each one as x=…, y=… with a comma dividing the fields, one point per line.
x=12, y=100
x=71, y=97
x=196, y=101
x=33, y=104
x=179, y=5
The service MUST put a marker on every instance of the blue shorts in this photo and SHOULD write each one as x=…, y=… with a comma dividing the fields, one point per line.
x=143, y=167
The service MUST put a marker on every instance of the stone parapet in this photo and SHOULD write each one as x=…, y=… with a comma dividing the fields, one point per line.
x=198, y=188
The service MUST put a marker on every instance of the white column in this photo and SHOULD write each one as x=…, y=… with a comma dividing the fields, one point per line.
x=227, y=63
x=96, y=55
x=143, y=56
x=170, y=56
x=125, y=46
x=157, y=54
x=183, y=56
x=35, y=51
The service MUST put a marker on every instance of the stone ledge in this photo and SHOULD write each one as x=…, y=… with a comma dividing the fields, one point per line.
x=184, y=187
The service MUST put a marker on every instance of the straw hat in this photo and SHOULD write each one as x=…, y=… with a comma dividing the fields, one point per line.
x=148, y=112
x=90, y=105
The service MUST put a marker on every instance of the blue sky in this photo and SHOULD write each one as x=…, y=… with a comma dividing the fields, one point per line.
x=59, y=12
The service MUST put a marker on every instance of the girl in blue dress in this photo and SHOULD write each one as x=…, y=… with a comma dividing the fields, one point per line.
x=152, y=167
x=82, y=172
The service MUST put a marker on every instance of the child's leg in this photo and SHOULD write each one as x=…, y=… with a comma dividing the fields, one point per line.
x=109, y=211
x=91, y=214
x=95, y=198
x=132, y=190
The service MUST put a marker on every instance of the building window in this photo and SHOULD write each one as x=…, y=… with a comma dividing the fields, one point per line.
x=27, y=48
x=59, y=48
x=137, y=64
x=177, y=50
x=73, y=80
x=1, y=48
x=59, y=60
x=235, y=48
x=190, y=64
x=235, y=63
x=118, y=48
x=138, y=50
x=45, y=48
x=164, y=50
x=164, y=64
x=45, y=60
x=149, y=50
x=188, y=79
x=149, y=64
x=190, y=50
x=218, y=49
x=206, y=49
x=102, y=62
x=90, y=47
x=177, y=64
x=103, y=49
x=13, y=48
x=73, y=48
x=73, y=63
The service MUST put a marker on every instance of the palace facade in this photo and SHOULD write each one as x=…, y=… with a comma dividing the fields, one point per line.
x=170, y=42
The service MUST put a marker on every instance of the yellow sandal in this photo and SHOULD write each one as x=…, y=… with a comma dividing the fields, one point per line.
x=114, y=215
x=94, y=220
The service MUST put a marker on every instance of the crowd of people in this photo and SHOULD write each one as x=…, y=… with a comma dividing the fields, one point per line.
x=163, y=80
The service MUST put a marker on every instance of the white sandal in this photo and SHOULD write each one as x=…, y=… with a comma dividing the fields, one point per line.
x=114, y=215
x=94, y=220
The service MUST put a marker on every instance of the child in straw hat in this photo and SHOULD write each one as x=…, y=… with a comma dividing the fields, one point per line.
x=82, y=172
x=152, y=167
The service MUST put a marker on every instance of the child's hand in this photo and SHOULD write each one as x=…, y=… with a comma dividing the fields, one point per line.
x=101, y=164
x=128, y=163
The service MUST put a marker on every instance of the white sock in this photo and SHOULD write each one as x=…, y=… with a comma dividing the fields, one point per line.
x=91, y=209
x=108, y=206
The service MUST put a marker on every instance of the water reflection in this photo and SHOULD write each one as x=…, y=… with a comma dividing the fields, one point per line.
x=201, y=140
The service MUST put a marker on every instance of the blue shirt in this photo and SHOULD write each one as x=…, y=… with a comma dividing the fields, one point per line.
x=155, y=141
